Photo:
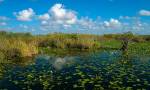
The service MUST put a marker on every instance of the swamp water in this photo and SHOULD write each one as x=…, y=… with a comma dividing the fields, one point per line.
x=75, y=70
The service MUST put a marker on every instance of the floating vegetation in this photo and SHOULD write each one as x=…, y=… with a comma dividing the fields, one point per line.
x=101, y=70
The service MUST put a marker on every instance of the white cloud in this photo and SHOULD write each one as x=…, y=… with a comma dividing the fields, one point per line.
x=44, y=16
x=60, y=19
x=62, y=15
x=144, y=12
x=66, y=19
x=44, y=22
x=112, y=23
x=88, y=24
x=25, y=15
x=58, y=11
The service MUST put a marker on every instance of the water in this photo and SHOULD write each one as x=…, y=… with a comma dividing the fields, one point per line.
x=94, y=70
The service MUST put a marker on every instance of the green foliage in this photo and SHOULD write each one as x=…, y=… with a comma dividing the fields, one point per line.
x=111, y=44
x=69, y=41
x=139, y=48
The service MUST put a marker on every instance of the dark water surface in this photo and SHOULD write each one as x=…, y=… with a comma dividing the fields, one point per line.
x=95, y=70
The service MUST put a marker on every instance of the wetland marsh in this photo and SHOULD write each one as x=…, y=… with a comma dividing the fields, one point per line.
x=78, y=70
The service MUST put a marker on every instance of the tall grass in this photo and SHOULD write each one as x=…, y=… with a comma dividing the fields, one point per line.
x=64, y=41
x=14, y=46
x=17, y=45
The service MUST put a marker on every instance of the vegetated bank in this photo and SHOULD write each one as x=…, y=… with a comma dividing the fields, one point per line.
x=14, y=46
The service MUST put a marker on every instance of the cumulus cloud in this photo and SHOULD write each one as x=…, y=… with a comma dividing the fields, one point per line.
x=86, y=23
x=112, y=23
x=61, y=19
x=25, y=15
x=144, y=12
x=62, y=15
x=45, y=16
x=58, y=18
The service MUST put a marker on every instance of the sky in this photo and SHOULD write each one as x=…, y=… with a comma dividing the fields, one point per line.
x=75, y=16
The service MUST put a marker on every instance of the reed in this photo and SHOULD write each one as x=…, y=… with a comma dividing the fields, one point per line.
x=18, y=45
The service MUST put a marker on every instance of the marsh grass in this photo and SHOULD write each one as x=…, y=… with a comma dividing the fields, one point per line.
x=138, y=49
x=69, y=41
x=18, y=45
x=15, y=46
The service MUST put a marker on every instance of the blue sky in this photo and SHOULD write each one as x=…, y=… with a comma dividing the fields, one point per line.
x=75, y=16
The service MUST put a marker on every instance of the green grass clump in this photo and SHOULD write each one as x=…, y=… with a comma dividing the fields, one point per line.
x=142, y=48
x=65, y=41
x=13, y=47
x=116, y=44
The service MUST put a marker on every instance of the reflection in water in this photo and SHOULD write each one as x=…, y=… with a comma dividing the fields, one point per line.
x=59, y=63
x=82, y=71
